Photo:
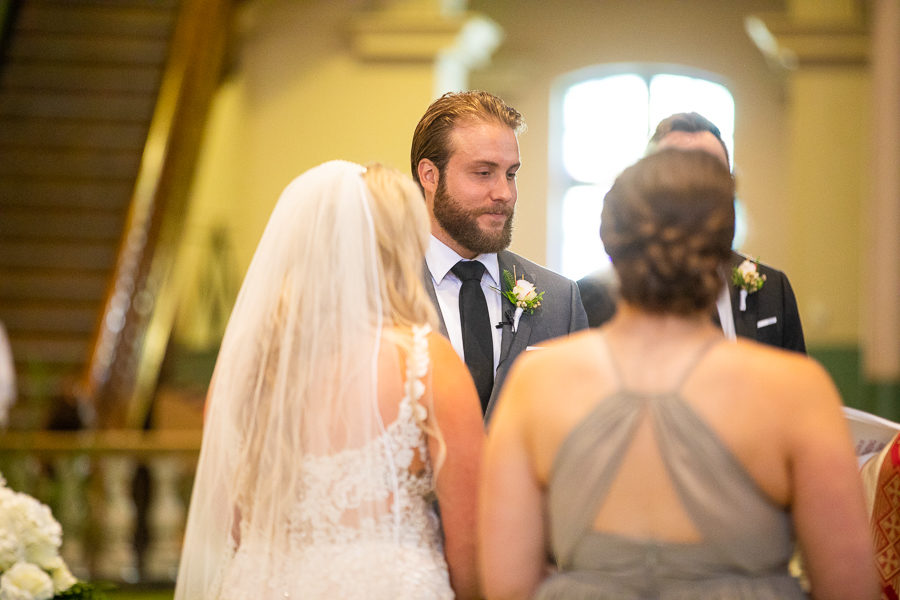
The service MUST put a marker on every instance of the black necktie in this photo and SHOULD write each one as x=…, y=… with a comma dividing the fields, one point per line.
x=478, y=343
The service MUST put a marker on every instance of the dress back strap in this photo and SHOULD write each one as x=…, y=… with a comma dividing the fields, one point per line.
x=695, y=360
x=618, y=374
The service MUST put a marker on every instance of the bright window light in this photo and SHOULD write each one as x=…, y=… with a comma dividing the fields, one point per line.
x=581, y=222
x=670, y=94
x=601, y=128
x=606, y=123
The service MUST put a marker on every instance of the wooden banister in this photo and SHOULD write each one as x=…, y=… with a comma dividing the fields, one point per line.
x=136, y=321
x=94, y=442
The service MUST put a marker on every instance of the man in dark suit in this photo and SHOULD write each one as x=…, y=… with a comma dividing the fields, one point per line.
x=768, y=314
x=464, y=156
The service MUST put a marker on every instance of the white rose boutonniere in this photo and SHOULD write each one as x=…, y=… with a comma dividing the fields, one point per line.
x=746, y=277
x=521, y=293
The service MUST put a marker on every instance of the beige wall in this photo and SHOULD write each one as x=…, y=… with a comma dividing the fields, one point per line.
x=297, y=95
x=545, y=40
x=294, y=97
x=828, y=146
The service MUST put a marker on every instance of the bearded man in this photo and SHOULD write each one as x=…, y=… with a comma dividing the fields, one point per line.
x=492, y=303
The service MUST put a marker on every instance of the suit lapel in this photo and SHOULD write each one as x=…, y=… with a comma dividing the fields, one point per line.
x=506, y=335
x=512, y=343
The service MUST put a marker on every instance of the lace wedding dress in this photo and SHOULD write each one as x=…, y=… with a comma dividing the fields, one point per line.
x=314, y=478
x=333, y=553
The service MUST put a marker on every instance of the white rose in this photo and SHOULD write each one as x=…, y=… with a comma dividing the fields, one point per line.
x=751, y=280
x=25, y=581
x=12, y=521
x=747, y=268
x=6, y=495
x=524, y=290
x=11, y=551
x=39, y=532
x=61, y=575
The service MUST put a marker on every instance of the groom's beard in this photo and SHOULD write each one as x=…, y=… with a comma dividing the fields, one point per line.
x=462, y=224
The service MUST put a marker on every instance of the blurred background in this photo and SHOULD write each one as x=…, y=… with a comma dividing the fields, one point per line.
x=143, y=144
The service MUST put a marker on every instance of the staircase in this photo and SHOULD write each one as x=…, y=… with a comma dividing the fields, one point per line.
x=78, y=86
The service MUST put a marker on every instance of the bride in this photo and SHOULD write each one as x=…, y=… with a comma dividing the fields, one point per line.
x=336, y=420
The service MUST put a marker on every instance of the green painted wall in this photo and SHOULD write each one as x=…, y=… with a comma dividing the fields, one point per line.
x=844, y=363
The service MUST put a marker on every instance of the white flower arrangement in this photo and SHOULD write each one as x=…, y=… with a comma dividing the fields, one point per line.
x=30, y=565
x=746, y=277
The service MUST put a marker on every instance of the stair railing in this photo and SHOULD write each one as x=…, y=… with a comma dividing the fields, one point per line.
x=136, y=320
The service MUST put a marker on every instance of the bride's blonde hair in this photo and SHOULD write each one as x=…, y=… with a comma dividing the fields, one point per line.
x=401, y=232
x=300, y=375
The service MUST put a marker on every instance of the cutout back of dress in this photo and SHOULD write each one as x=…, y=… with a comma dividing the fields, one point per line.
x=740, y=542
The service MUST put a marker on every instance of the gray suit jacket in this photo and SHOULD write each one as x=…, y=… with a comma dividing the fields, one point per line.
x=560, y=313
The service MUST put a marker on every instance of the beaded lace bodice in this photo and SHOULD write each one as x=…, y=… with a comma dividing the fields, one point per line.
x=335, y=486
x=337, y=548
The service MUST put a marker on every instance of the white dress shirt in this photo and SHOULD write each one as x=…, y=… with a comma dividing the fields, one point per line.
x=726, y=317
x=440, y=258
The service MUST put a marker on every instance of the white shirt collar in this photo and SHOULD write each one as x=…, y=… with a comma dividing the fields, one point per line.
x=440, y=258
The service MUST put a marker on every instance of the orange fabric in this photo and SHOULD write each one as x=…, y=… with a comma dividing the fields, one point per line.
x=886, y=523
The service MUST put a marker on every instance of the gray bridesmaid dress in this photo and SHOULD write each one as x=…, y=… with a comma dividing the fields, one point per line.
x=747, y=540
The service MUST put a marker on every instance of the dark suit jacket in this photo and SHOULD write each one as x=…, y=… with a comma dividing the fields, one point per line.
x=771, y=316
x=560, y=313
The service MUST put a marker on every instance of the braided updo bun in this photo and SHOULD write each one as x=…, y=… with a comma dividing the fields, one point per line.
x=667, y=225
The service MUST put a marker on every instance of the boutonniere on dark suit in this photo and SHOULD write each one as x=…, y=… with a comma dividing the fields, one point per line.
x=747, y=279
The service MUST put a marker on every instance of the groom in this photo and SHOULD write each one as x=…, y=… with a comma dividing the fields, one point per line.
x=465, y=155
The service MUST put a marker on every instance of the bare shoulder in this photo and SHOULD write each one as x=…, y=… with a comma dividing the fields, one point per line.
x=547, y=392
x=567, y=367
x=449, y=372
x=456, y=404
x=441, y=351
x=560, y=356
x=784, y=366
x=787, y=380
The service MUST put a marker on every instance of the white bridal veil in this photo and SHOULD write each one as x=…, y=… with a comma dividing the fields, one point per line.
x=297, y=378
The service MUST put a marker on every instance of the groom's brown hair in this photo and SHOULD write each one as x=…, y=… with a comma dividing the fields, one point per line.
x=431, y=139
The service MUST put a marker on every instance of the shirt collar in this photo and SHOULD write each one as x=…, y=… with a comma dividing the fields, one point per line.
x=440, y=258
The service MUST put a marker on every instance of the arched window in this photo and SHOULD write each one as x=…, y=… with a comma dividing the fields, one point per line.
x=601, y=123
